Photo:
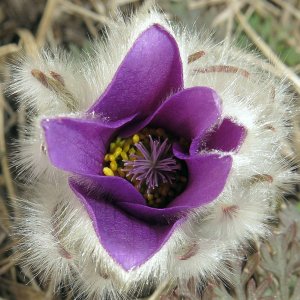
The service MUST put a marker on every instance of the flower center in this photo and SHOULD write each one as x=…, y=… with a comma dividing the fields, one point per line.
x=146, y=160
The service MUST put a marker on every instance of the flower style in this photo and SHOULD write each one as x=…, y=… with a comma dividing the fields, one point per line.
x=138, y=97
x=155, y=158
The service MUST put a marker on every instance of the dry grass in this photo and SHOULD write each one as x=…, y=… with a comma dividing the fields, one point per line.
x=30, y=24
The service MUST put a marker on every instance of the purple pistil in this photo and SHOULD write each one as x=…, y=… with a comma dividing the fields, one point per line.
x=152, y=166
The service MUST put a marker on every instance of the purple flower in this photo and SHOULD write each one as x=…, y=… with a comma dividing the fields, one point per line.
x=147, y=91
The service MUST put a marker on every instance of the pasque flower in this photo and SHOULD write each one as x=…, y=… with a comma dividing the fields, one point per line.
x=155, y=159
x=138, y=97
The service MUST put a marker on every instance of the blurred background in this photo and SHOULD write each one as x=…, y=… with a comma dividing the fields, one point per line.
x=268, y=27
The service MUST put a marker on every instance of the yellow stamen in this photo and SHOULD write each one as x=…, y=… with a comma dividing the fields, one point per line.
x=124, y=155
x=136, y=138
x=112, y=147
x=118, y=152
x=112, y=157
x=126, y=146
x=108, y=172
x=122, y=150
x=113, y=165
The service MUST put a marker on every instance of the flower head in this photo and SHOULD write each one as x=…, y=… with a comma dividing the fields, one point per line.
x=153, y=172
x=137, y=99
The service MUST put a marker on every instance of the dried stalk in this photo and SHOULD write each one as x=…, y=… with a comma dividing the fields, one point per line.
x=46, y=22
x=4, y=162
x=28, y=42
x=227, y=13
x=8, y=49
x=8, y=247
x=288, y=7
x=6, y=267
x=123, y=2
x=267, y=51
x=263, y=7
x=4, y=217
x=71, y=8
x=203, y=3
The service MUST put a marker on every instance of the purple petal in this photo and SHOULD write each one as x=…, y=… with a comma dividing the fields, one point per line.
x=153, y=215
x=150, y=72
x=207, y=177
x=228, y=137
x=128, y=240
x=78, y=145
x=187, y=114
x=112, y=188
x=123, y=194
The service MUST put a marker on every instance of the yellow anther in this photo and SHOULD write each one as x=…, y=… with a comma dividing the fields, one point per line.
x=106, y=157
x=113, y=165
x=124, y=155
x=118, y=152
x=126, y=146
x=111, y=157
x=135, y=138
x=112, y=147
x=108, y=172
